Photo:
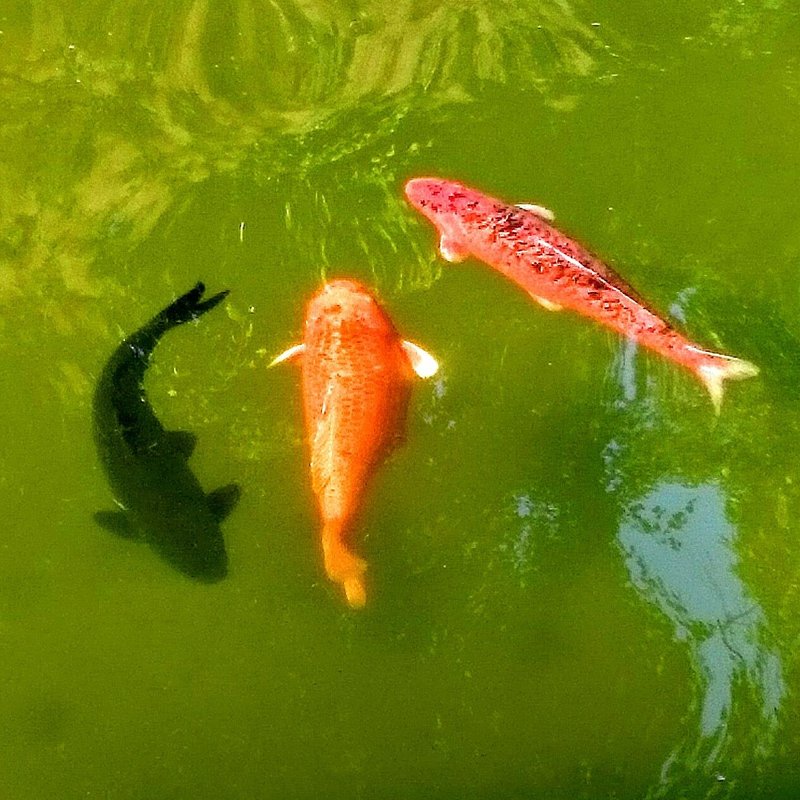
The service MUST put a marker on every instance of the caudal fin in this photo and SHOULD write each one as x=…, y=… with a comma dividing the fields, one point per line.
x=190, y=306
x=716, y=368
x=343, y=566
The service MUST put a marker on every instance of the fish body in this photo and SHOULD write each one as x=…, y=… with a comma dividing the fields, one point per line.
x=356, y=374
x=557, y=272
x=160, y=500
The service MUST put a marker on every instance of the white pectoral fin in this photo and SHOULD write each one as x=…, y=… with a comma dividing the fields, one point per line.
x=451, y=249
x=422, y=362
x=548, y=304
x=288, y=355
x=540, y=211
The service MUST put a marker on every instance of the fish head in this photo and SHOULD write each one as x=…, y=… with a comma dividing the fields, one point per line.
x=435, y=198
x=451, y=207
x=193, y=544
x=347, y=303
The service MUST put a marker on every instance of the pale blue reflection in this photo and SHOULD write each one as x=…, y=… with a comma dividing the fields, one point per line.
x=679, y=551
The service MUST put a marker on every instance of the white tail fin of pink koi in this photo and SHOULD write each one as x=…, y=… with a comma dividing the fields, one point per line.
x=719, y=368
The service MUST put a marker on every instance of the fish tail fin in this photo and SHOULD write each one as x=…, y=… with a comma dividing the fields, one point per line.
x=190, y=306
x=342, y=565
x=715, y=368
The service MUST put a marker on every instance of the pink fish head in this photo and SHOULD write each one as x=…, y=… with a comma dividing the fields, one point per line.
x=451, y=207
x=434, y=197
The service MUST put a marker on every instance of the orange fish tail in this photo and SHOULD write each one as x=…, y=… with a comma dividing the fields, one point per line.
x=342, y=565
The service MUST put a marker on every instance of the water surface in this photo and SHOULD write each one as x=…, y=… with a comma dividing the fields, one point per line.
x=582, y=583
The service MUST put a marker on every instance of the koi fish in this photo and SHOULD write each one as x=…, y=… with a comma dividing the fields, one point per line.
x=356, y=373
x=557, y=272
x=160, y=500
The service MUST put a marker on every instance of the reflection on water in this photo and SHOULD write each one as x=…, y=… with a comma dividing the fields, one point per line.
x=133, y=105
x=679, y=551
x=679, y=546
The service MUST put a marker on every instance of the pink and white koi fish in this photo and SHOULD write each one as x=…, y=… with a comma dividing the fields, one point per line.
x=557, y=272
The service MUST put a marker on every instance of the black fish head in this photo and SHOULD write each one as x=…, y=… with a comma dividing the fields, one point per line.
x=176, y=520
x=194, y=546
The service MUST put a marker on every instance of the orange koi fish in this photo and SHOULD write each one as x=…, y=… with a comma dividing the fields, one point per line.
x=356, y=373
x=557, y=272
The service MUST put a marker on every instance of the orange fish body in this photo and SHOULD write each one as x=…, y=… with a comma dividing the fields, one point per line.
x=356, y=373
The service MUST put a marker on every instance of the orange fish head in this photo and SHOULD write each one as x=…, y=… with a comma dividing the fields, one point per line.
x=346, y=301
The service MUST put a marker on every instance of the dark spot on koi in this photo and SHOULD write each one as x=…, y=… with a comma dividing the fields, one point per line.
x=595, y=283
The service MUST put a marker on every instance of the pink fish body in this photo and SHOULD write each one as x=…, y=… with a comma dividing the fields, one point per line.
x=557, y=272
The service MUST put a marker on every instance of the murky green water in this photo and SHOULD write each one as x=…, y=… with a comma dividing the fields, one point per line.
x=582, y=584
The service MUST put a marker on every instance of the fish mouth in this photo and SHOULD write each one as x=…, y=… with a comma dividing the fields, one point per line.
x=210, y=571
x=202, y=560
x=419, y=191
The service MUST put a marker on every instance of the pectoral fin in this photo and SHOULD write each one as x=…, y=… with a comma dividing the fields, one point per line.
x=543, y=213
x=548, y=304
x=422, y=362
x=451, y=249
x=181, y=442
x=117, y=522
x=222, y=501
x=288, y=355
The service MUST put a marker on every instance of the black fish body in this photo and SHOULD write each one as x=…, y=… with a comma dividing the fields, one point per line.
x=160, y=499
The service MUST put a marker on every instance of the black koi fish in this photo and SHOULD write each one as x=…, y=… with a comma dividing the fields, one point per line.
x=160, y=499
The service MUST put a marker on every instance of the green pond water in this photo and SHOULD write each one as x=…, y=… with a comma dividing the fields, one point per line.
x=582, y=584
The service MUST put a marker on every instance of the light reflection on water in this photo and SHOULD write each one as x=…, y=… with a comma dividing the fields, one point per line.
x=303, y=100
x=679, y=549
x=679, y=546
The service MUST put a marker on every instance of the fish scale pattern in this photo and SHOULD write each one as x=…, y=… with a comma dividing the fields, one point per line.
x=355, y=379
